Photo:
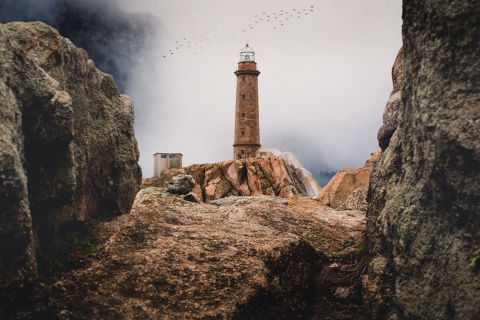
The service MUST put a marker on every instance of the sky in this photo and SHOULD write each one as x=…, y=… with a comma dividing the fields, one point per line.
x=325, y=77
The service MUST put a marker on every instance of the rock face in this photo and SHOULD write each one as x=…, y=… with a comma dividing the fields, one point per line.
x=304, y=177
x=235, y=258
x=348, y=188
x=393, y=109
x=246, y=177
x=68, y=151
x=181, y=184
x=423, y=220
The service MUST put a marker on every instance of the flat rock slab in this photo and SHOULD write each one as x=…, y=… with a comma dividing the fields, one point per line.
x=248, y=258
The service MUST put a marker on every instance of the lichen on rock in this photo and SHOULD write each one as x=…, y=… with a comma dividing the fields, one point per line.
x=68, y=151
x=423, y=219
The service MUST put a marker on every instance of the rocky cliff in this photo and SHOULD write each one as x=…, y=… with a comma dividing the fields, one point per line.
x=348, y=188
x=68, y=151
x=423, y=221
x=248, y=177
x=303, y=177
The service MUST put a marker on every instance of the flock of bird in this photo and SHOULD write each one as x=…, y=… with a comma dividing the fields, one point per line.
x=274, y=20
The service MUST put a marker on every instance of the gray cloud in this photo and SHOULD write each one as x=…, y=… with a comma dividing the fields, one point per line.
x=324, y=83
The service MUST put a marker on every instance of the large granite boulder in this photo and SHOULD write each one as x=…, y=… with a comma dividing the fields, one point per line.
x=303, y=177
x=247, y=177
x=423, y=221
x=347, y=190
x=234, y=258
x=68, y=151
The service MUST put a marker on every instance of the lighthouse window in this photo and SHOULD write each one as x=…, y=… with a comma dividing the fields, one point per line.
x=242, y=151
x=172, y=156
x=243, y=114
x=243, y=96
x=243, y=78
x=243, y=133
x=164, y=156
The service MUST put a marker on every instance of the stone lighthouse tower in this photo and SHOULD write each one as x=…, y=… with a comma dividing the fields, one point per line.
x=247, y=127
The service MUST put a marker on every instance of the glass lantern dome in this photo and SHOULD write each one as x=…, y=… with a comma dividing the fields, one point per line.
x=247, y=54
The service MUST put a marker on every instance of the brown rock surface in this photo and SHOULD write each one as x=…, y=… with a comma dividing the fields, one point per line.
x=423, y=220
x=347, y=190
x=236, y=258
x=66, y=135
x=246, y=177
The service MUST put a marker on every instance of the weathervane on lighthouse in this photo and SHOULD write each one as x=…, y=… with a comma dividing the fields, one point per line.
x=247, y=124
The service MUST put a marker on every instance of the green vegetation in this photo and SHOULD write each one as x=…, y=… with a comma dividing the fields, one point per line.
x=357, y=255
x=70, y=247
x=475, y=261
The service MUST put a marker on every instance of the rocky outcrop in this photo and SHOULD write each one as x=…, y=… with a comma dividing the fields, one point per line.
x=393, y=109
x=246, y=177
x=348, y=188
x=303, y=177
x=235, y=258
x=68, y=151
x=423, y=220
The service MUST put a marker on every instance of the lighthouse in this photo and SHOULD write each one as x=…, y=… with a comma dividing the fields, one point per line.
x=247, y=126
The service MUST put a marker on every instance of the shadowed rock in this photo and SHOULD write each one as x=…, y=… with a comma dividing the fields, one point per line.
x=68, y=151
x=181, y=184
x=423, y=221
x=394, y=108
x=239, y=258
